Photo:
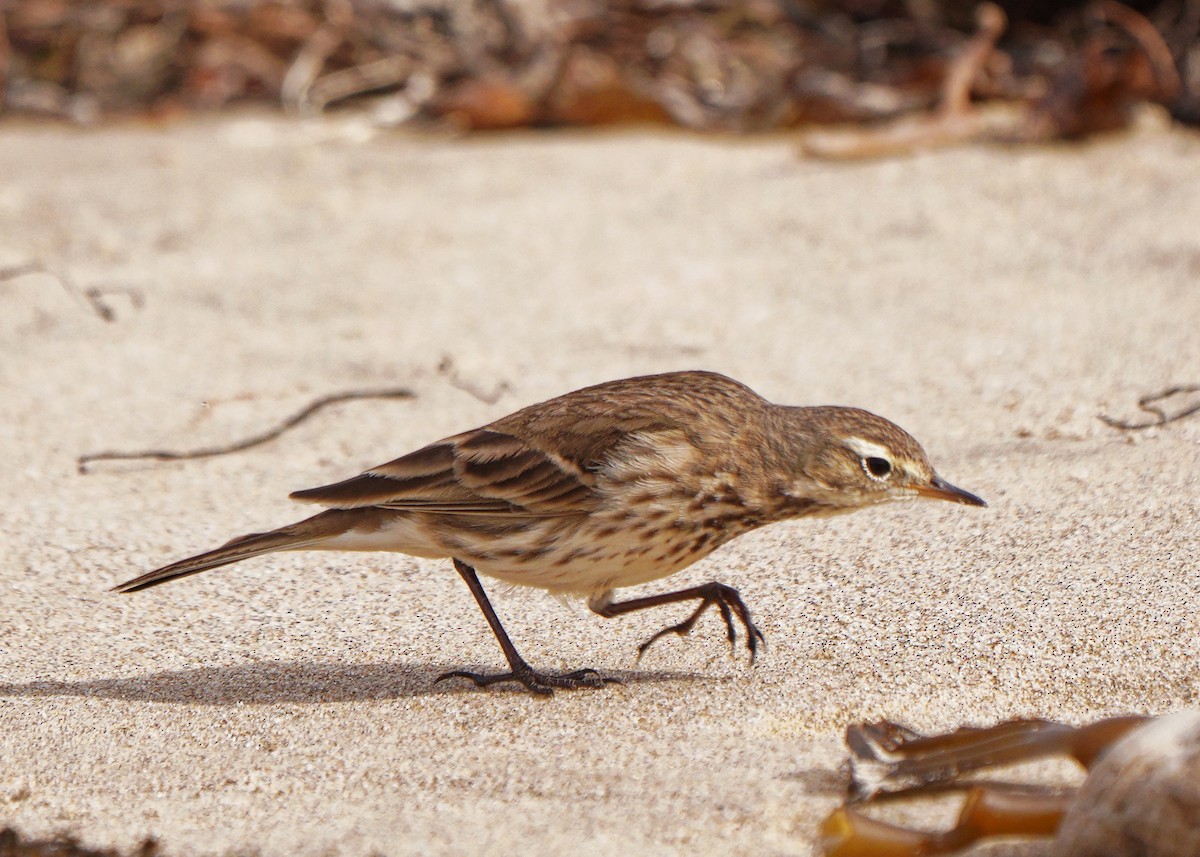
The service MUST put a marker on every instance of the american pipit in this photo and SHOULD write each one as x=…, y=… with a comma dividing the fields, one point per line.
x=606, y=487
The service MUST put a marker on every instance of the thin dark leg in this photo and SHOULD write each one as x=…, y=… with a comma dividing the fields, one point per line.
x=725, y=598
x=520, y=671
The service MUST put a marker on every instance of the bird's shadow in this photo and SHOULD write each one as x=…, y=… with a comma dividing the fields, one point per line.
x=822, y=781
x=273, y=682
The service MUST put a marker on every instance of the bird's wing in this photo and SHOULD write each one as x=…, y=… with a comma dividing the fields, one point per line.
x=481, y=472
x=543, y=459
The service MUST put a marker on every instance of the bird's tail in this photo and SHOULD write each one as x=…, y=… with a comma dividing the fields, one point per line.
x=305, y=534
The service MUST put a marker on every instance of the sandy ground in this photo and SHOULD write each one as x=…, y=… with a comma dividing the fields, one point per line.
x=989, y=300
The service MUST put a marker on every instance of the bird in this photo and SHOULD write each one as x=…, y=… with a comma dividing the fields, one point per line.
x=606, y=487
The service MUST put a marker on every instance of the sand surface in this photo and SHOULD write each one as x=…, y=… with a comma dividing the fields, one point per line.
x=989, y=300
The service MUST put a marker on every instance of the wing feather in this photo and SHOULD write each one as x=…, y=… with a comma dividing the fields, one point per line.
x=478, y=473
x=543, y=459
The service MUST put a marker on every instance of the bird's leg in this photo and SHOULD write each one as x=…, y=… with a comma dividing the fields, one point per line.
x=724, y=598
x=520, y=671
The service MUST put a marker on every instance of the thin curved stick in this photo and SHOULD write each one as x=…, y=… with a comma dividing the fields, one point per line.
x=1149, y=39
x=208, y=452
x=1147, y=404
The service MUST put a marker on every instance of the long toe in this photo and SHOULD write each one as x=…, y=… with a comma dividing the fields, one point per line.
x=528, y=679
x=731, y=601
x=732, y=609
x=586, y=678
x=542, y=684
x=682, y=629
x=753, y=638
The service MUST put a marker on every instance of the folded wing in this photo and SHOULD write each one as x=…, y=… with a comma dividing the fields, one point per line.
x=543, y=459
x=482, y=472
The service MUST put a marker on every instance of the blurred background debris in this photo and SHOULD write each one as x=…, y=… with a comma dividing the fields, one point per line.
x=1069, y=68
x=1141, y=796
x=12, y=845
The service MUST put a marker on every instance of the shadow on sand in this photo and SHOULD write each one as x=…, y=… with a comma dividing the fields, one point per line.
x=272, y=682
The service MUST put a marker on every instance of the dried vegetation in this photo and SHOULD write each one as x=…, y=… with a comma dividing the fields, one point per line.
x=735, y=66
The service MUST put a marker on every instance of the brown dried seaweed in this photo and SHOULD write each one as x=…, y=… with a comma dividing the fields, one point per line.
x=737, y=66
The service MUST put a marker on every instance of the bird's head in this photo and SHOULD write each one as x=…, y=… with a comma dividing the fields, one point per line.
x=852, y=458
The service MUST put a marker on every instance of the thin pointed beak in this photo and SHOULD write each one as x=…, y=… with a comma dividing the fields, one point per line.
x=940, y=489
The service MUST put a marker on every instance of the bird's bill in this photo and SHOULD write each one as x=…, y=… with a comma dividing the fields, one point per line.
x=940, y=489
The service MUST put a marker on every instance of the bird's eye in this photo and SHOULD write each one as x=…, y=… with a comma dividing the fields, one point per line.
x=877, y=468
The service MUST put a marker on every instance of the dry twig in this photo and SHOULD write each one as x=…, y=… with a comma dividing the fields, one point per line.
x=449, y=371
x=1150, y=406
x=738, y=66
x=1150, y=40
x=96, y=296
x=954, y=120
x=890, y=760
x=258, y=439
x=5, y=56
x=93, y=297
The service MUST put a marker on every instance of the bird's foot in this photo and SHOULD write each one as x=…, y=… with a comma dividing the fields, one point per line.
x=539, y=683
x=730, y=603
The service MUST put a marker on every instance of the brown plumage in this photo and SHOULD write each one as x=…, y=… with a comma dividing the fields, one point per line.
x=606, y=487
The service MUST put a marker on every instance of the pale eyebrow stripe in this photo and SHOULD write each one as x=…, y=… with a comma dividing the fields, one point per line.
x=868, y=449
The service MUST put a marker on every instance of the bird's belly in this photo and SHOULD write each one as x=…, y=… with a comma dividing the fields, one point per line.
x=399, y=533
x=587, y=560
x=586, y=555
